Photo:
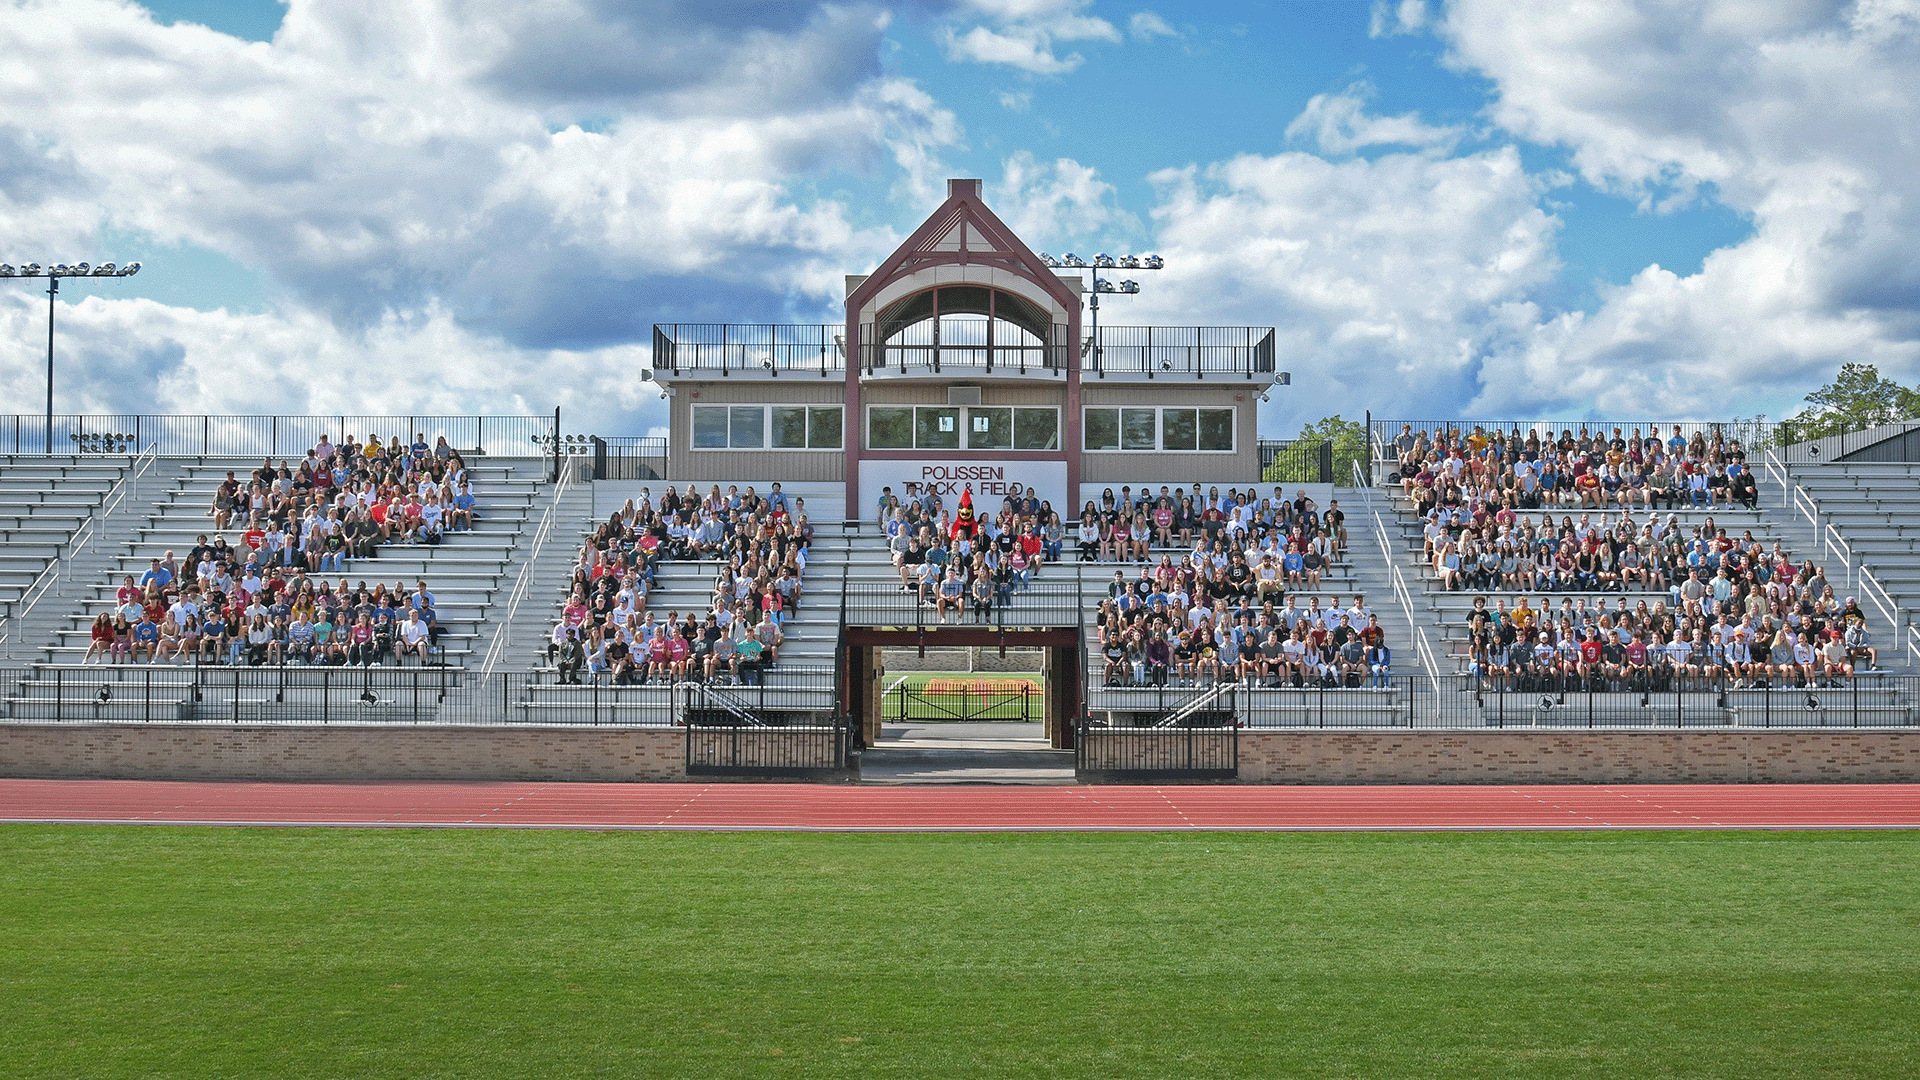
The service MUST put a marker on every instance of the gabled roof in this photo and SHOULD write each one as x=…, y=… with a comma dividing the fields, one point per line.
x=963, y=231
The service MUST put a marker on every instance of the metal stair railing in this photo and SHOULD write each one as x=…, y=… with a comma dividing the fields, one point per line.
x=59, y=571
x=713, y=695
x=1860, y=579
x=523, y=581
x=1423, y=649
x=1202, y=700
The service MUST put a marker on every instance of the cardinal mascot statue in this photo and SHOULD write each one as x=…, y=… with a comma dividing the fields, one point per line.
x=964, y=523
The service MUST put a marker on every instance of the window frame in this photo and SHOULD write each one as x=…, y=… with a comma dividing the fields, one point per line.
x=964, y=415
x=1159, y=428
x=766, y=428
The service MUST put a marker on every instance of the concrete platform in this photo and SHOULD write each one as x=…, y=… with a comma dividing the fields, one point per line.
x=965, y=753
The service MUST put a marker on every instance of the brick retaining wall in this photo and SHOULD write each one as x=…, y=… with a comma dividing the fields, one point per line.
x=339, y=752
x=1596, y=757
x=347, y=753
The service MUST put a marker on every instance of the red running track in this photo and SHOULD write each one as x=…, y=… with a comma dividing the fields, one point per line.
x=854, y=809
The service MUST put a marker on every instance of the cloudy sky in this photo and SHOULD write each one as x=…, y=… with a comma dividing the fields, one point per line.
x=1490, y=208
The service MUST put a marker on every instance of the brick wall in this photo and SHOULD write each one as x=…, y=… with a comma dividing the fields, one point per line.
x=1600, y=757
x=339, y=752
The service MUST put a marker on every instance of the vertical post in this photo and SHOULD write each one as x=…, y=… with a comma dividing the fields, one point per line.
x=206, y=434
x=236, y=695
x=53, y=290
x=326, y=695
x=555, y=478
x=59, y=694
x=146, y=710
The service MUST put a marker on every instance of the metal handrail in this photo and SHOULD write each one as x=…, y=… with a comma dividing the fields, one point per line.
x=59, y=570
x=1827, y=534
x=1423, y=649
x=128, y=486
x=523, y=581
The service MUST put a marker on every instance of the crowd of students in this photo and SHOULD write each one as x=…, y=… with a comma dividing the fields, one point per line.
x=264, y=600
x=1723, y=610
x=759, y=545
x=960, y=560
x=1708, y=644
x=243, y=613
x=1588, y=471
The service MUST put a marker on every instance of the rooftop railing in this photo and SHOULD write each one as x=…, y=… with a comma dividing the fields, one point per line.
x=921, y=348
x=212, y=435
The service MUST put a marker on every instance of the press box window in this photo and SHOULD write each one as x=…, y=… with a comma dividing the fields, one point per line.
x=801, y=427
x=759, y=427
x=1171, y=429
x=936, y=428
x=1120, y=429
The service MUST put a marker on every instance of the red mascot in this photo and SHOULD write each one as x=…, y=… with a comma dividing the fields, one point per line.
x=964, y=523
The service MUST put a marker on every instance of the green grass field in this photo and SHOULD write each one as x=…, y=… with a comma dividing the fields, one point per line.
x=953, y=696
x=160, y=952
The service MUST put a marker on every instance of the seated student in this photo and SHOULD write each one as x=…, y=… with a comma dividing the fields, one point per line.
x=983, y=596
x=748, y=650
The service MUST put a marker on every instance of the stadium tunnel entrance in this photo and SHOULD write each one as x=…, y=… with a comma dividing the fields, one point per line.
x=1059, y=701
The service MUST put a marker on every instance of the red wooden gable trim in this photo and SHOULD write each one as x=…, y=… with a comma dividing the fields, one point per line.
x=964, y=207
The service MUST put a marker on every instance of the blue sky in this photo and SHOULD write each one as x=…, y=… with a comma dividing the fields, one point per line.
x=1470, y=195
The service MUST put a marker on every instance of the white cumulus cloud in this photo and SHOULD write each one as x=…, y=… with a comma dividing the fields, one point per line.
x=523, y=180
x=1797, y=116
x=1024, y=34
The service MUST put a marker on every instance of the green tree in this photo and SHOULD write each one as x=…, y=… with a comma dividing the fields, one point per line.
x=1857, y=398
x=1300, y=461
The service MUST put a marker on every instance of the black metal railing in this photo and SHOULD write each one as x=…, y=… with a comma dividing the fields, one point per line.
x=1299, y=461
x=1182, y=351
x=1870, y=699
x=923, y=346
x=1131, y=755
x=799, y=752
x=628, y=458
x=768, y=348
x=1796, y=441
x=792, y=695
x=1658, y=700
x=1051, y=600
x=209, y=435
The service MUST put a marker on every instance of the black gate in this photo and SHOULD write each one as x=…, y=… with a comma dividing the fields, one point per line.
x=795, y=752
x=1132, y=755
x=956, y=698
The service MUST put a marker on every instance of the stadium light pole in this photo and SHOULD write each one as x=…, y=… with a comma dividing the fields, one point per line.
x=1100, y=262
x=53, y=274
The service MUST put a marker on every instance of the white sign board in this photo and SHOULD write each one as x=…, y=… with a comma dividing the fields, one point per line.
x=990, y=481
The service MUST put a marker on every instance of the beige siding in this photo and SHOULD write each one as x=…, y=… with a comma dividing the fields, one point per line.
x=685, y=464
x=1241, y=466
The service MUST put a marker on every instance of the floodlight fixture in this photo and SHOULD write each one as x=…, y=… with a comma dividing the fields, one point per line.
x=1048, y=260
x=1104, y=261
x=1129, y=287
x=53, y=273
x=1070, y=259
x=1130, y=262
x=1152, y=262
